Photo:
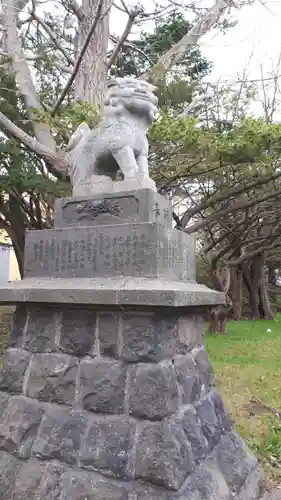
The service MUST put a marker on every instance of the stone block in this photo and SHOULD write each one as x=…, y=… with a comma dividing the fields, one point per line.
x=19, y=425
x=139, y=250
x=224, y=418
x=234, y=460
x=52, y=377
x=190, y=332
x=18, y=323
x=9, y=466
x=38, y=481
x=77, y=331
x=142, y=205
x=254, y=487
x=102, y=385
x=78, y=485
x=204, y=368
x=108, y=445
x=108, y=330
x=41, y=329
x=60, y=435
x=4, y=400
x=207, y=482
x=193, y=431
x=124, y=292
x=97, y=185
x=188, y=378
x=149, y=336
x=13, y=370
x=163, y=455
x=153, y=391
x=209, y=421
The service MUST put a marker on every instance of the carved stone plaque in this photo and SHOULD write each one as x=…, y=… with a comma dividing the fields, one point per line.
x=143, y=249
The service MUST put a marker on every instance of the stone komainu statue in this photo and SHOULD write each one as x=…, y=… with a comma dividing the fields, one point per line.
x=120, y=141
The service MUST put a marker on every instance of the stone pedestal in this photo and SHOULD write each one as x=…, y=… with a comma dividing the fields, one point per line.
x=107, y=392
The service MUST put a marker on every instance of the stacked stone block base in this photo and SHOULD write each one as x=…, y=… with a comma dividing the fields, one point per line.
x=114, y=404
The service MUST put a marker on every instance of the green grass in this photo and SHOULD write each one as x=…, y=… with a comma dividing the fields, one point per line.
x=247, y=364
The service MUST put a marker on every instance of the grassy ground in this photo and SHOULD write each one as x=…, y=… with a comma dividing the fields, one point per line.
x=247, y=364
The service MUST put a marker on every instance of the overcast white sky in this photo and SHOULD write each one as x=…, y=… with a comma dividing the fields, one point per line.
x=254, y=41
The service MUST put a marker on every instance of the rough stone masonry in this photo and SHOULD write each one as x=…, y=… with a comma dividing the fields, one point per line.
x=107, y=392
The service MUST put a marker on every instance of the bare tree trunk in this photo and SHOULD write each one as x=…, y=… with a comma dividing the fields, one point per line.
x=236, y=291
x=90, y=80
x=265, y=307
x=255, y=281
x=219, y=315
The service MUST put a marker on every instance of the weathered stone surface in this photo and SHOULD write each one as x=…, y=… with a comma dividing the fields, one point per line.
x=19, y=425
x=52, y=377
x=193, y=431
x=13, y=370
x=120, y=291
x=163, y=454
x=4, y=400
x=208, y=482
x=139, y=250
x=153, y=391
x=188, y=378
x=9, y=466
x=77, y=331
x=204, y=368
x=97, y=186
x=102, y=384
x=142, y=205
x=38, y=481
x=108, y=328
x=190, y=332
x=209, y=421
x=253, y=487
x=18, y=323
x=108, y=445
x=149, y=336
x=60, y=435
x=224, y=418
x=80, y=485
x=41, y=329
x=234, y=460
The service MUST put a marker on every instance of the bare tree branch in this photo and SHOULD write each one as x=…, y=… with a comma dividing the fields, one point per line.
x=73, y=6
x=179, y=50
x=52, y=36
x=133, y=47
x=130, y=21
x=22, y=73
x=221, y=213
x=224, y=196
x=55, y=160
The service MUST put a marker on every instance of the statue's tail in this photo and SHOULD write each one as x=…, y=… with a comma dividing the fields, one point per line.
x=76, y=137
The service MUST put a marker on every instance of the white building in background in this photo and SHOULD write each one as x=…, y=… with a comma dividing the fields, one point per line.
x=5, y=256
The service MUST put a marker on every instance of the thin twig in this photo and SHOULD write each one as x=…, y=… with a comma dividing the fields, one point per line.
x=133, y=47
x=50, y=32
x=131, y=19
